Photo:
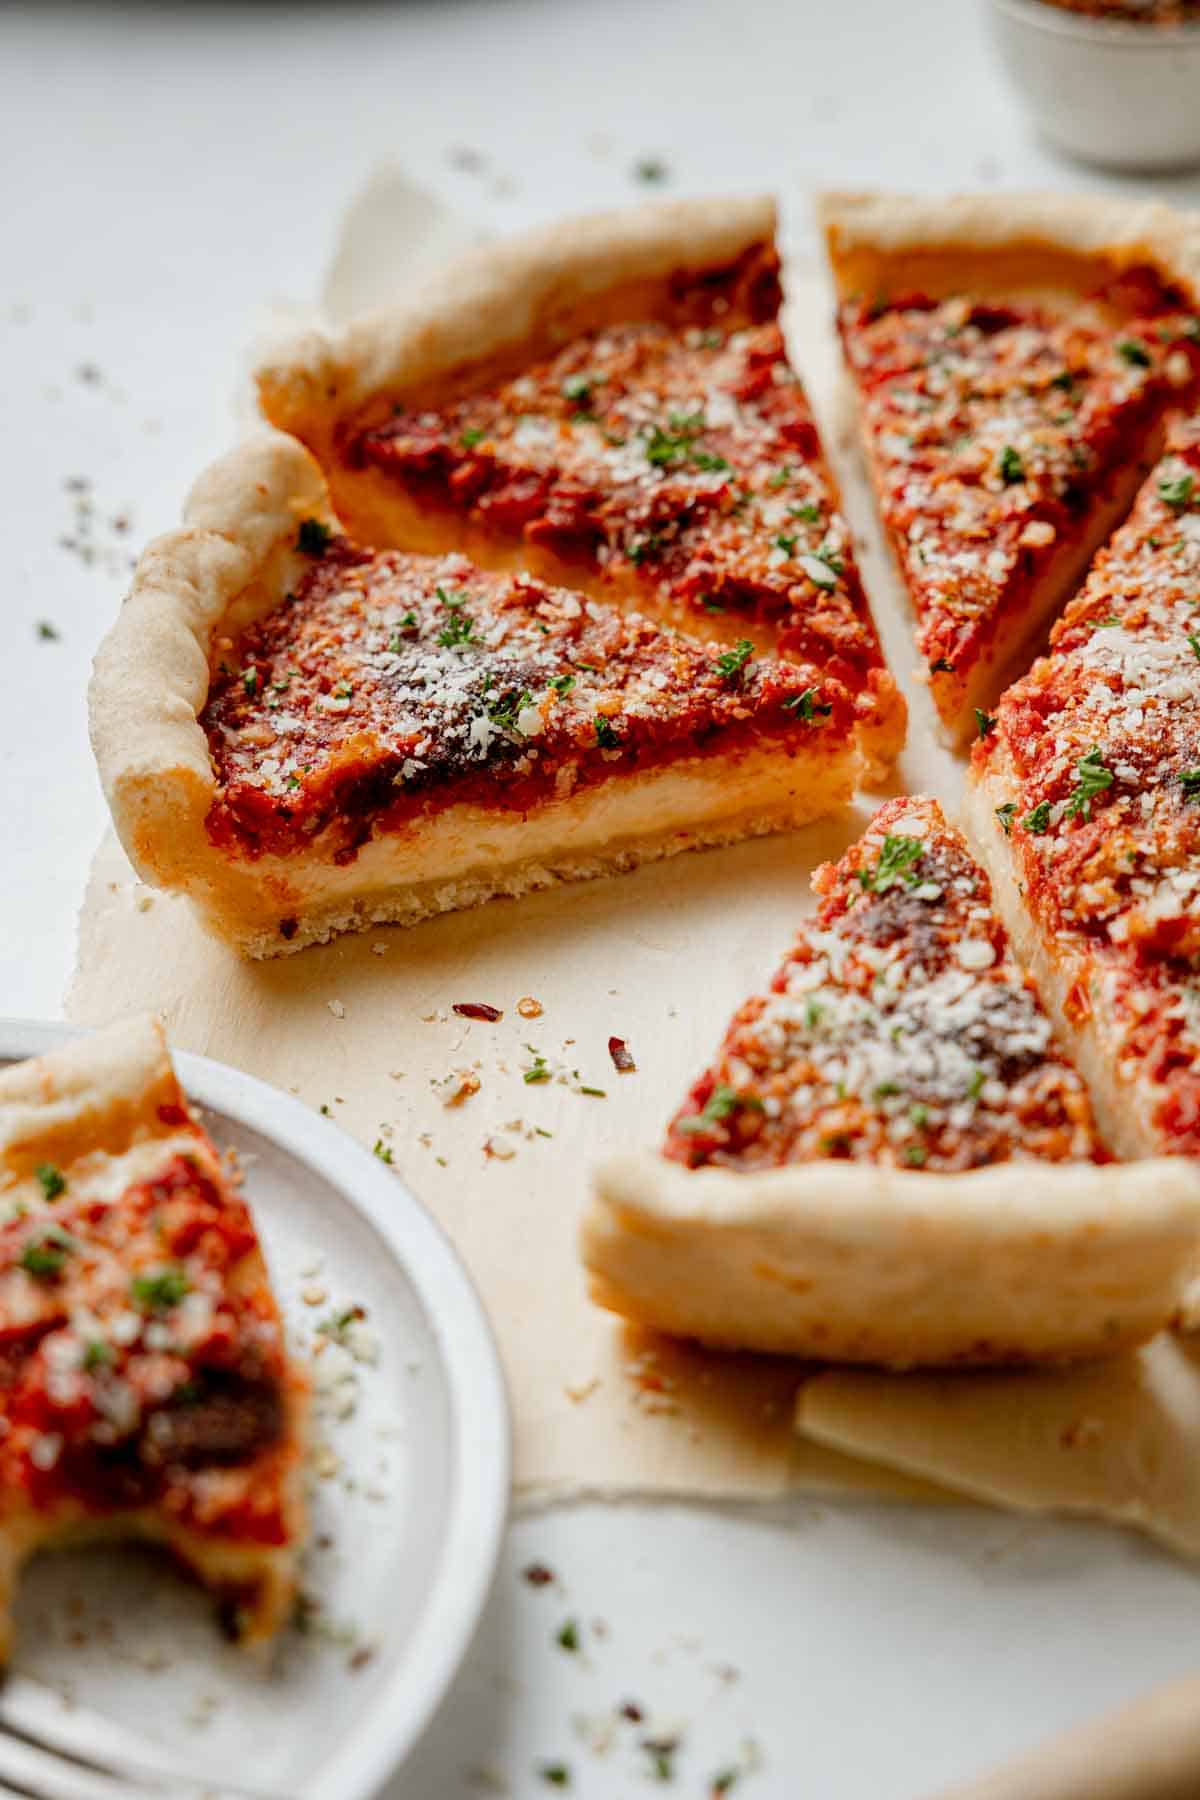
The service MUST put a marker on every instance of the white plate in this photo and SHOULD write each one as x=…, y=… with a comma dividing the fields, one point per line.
x=415, y=1510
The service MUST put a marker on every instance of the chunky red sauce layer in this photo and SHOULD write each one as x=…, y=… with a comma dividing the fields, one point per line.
x=898, y=1032
x=681, y=465
x=390, y=685
x=994, y=430
x=1101, y=741
x=137, y=1368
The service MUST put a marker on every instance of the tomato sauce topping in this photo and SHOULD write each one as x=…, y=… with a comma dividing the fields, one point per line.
x=993, y=429
x=899, y=1030
x=681, y=465
x=391, y=685
x=1103, y=739
x=133, y=1371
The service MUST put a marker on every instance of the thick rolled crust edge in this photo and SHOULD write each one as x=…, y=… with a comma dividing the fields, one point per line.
x=234, y=556
x=865, y=232
x=527, y=290
x=1020, y=1262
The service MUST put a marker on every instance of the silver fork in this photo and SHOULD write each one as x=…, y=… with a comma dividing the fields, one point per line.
x=52, y=1750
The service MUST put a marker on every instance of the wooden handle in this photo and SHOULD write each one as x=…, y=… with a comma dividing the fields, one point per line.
x=1148, y=1750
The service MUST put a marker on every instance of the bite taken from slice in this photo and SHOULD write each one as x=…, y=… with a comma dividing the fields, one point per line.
x=1085, y=798
x=892, y=1160
x=608, y=404
x=145, y=1389
x=306, y=736
x=1014, y=358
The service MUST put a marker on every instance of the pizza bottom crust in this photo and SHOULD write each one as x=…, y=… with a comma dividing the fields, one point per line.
x=466, y=854
x=845, y=1262
x=259, y=1581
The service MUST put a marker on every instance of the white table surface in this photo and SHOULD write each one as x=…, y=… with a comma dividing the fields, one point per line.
x=165, y=171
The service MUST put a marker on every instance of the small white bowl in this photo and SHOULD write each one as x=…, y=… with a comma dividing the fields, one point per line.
x=1125, y=96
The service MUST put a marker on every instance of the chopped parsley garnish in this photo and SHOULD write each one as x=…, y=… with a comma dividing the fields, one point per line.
x=250, y=682
x=562, y=684
x=457, y=630
x=606, y=736
x=1194, y=641
x=721, y=1103
x=539, y=1071
x=919, y=1114
x=708, y=463
x=1011, y=467
x=643, y=547
x=1177, y=494
x=579, y=387
x=382, y=1151
x=1189, y=780
x=895, y=864
x=813, y=1013
x=53, y=1181
x=97, y=1355
x=474, y=435
x=43, y=1257
x=1133, y=352
x=661, y=1752
x=985, y=723
x=724, y=1782
x=555, y=1774
x=806, y=706
x=667, y=449
x=976, y=1083
x=48, y=632
x=808, y=514
x=916, y=1155
x=1038, y=821
x=1093, y=779
x=941, y=667
x=505, y=713
x=158, y=1293
x=783, y=542
x=1104, y=624
x=313, y=537
x=407, y=624
x=781, y=477
x=732, y=662
x=650, y=169
x=1006, y=815
x=710, y=603
x=822, y=568
x=293, y=780
x=567, y=1636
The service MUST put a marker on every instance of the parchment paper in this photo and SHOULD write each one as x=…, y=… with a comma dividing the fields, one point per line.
x=660, y=959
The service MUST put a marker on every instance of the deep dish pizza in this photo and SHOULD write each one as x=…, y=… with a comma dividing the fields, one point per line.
x=608, y=404
x=145, y=1388
x=891, y=1159
x=304, y=735
x=1014, y=360
x=1086, y=795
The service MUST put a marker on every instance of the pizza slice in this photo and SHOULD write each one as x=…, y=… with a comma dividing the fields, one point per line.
x=891, y=1159
x=608, y=404
x=306, y=736
x=1085, y=797
x=145, y=1389
x=1014, y=358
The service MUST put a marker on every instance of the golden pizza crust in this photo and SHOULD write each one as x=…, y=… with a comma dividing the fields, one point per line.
x=231, y=563
x=843, y=1262
x=1026, y=244
x=92, y=1109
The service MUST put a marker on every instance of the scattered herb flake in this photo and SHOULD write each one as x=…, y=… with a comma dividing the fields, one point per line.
x=1189, y=780
x=1177, y=494
x=1006, y=815
x=48, y=632
x=539, y=1069
x=1011, y=467
x=53, y=1181
x=806, y=706
x=1093, y=779
x=160, y=1292
x=382, y=1151
x=732, y=662
x=1131, y=351
x=985, y=722
x=606, y=736
x=895, y=864
x=314, y=537
x=1038, y=821
x=567, y=1636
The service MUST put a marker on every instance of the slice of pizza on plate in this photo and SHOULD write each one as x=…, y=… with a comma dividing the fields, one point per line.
x=609, y=404
x=306, y=736
x=145, y=1388
x=1085, y=796
x=891, y=1159
x=1014, y=357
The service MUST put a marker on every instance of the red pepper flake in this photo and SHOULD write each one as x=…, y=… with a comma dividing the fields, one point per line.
x=538, y=1575
x=475, y=1009
x=622, y=1057
x=629, y=1709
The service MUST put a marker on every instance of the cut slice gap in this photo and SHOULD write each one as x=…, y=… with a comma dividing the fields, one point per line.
x=1015, y=358
x=891, y=1160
